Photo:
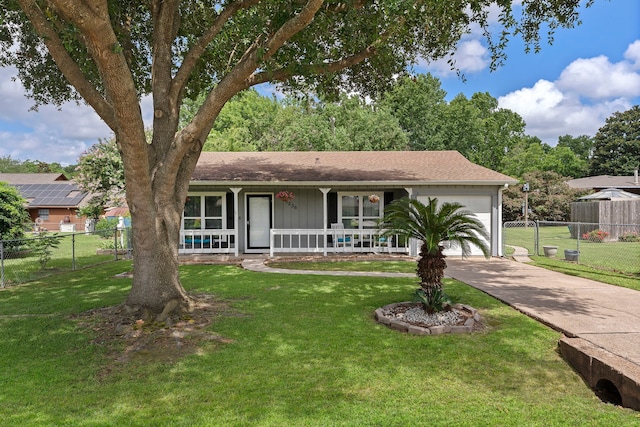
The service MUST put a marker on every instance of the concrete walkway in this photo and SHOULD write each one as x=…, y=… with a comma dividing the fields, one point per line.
x=605, y=315
x=601, y=322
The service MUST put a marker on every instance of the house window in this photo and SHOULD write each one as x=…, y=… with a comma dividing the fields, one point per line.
x=359, y=210
x=204, y=212
x=44, y=214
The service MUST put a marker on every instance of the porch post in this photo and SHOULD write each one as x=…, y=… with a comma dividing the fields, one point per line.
x=496, y=222
x=325, y=217
x=413, y=243
x=236, y=220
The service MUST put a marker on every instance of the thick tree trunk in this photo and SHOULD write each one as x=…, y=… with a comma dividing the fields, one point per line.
x=156, y=280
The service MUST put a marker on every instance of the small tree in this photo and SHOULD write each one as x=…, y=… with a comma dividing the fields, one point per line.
x=43, y=246
x=431, y=225
x=549, y=198
x=100, y=172
x=13, y=215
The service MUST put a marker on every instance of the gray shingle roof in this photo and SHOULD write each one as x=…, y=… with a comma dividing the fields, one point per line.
x=31, y=178
x=410, y=167
x=605, y=181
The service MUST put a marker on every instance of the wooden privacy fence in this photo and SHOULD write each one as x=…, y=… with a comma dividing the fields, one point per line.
x=620, y=216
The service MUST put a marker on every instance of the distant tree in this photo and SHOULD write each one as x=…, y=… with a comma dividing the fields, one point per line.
x=242, y=121
x=531, y=155
x=617, y=145
x=481, y=131
x=582, y=146
x=356, y=125
x=100, y=172
x=251, y=122
x=418, y=104
x=565, y=162
x=549, y=198
x=13, y=215
x=9, y=165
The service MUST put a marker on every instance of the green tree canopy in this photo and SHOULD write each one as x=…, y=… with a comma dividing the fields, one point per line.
x=100, y=173
x=531, y=155
x=549, y=198
x=110, y=53
x=582, y=146
x=418, y=104
x=616, y=148
x=9, y=165
x=13, y=215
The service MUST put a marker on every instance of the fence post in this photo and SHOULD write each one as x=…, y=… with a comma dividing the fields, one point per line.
x=2, y=263
x=536, y=232
x=115, y=242
x=73, y=251
x=578, y=244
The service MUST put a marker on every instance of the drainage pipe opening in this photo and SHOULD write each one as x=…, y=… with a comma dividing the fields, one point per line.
x=608, y=392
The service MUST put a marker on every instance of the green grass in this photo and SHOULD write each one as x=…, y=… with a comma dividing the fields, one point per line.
x=82, y=247
x=616, y=256
x=306, y=351
x=581, y=270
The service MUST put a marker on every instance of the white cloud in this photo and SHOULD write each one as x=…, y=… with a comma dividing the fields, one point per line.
x=597, y=78
x=587, y=92
x=633, y=54
x=550, y=113
x=50, y=134
x=470, y=57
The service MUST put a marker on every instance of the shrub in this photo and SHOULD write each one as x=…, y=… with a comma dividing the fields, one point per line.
x=106, y=227
x=596, y=236
x=629, y=237
x=432, y=302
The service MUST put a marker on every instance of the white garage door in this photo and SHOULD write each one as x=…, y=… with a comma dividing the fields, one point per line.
x=479, y=205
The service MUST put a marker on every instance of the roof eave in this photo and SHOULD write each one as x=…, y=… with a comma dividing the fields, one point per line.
x=354, y=183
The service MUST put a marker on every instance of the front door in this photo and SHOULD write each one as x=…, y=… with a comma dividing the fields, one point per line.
x=258, y=221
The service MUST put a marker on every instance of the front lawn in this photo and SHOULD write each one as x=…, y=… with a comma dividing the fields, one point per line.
x=300, y=351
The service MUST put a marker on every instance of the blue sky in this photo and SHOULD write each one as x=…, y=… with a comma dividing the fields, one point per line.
x=569, y=88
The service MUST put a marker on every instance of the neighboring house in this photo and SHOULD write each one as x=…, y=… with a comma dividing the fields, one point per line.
x=630, y=184
x=325, y=202
x=52, y=200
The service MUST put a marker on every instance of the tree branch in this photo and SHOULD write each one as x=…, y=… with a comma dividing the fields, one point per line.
x=66, y=64
x=234, y=81
x=321, y=68
x=165, y=24
x=324, y=67
x=193, y=55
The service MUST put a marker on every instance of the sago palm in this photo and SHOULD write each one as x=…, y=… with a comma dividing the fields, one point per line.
x=432, y=225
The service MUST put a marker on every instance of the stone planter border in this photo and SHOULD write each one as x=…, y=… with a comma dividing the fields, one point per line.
x=472, y=315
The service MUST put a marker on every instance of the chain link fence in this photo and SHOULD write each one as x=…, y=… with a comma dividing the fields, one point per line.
x=44, y=253
x=613, y=247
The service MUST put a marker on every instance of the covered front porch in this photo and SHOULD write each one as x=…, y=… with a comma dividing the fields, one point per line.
x=237, y=220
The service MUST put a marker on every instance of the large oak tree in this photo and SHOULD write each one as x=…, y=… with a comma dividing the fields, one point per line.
x=110, y=53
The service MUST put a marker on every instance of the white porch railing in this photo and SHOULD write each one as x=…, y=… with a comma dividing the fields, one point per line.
x=207, y=241
x=347, y=240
